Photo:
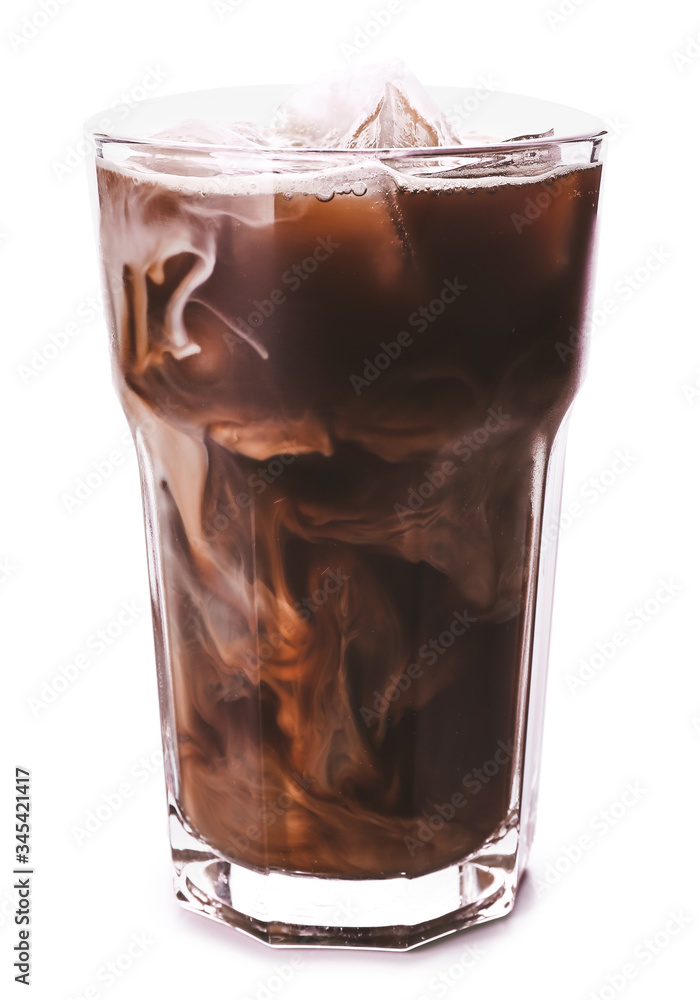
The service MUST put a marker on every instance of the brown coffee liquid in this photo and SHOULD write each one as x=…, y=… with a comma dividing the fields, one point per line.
x=347, y=407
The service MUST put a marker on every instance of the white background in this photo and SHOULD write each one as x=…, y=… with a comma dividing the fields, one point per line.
x=65, y=574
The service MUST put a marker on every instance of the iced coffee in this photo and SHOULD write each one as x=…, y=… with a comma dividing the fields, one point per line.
x=339, y=360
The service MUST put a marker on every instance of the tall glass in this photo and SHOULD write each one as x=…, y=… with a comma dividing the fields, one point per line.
x=348, y=375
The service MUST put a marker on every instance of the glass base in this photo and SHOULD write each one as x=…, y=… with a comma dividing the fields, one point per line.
x=292, y=910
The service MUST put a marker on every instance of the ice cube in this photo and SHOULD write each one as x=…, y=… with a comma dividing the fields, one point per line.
x=208, y=155
x=240, y=134
x=374, y=107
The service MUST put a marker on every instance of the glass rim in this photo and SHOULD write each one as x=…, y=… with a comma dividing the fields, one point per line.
x=93, y=128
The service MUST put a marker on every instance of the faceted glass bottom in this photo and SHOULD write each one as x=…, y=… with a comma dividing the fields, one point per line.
x=290, y=910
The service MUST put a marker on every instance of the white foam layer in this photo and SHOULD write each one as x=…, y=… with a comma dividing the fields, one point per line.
x=324, y=184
